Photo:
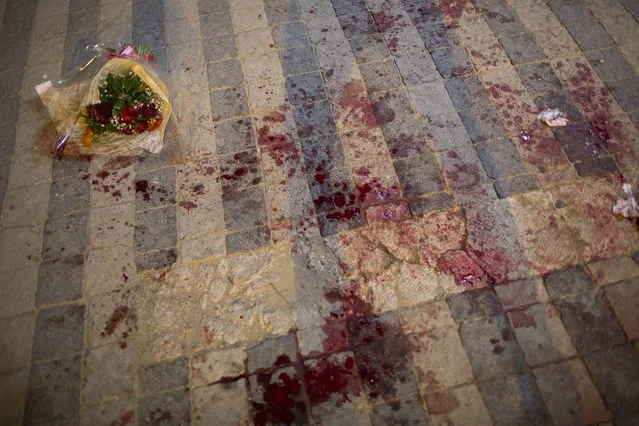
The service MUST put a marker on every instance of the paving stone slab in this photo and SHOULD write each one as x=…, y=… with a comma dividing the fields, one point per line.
x=622, y=297
x=109, y=371
x=456, y=406
x=409, y=410
x=60, y=280
x=173, y=407
x=164, y=375
x=228, y=398
x=474, y=304
x=568, y=281
x=59, y=332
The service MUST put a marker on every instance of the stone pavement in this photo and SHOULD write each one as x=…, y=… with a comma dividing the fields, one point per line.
x=359, y=218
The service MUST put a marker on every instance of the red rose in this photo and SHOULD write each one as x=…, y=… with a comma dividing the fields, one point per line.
x=141, y=127
x=129, y=114
x=149, y=111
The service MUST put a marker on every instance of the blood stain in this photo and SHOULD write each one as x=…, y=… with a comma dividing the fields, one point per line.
x=282, y=401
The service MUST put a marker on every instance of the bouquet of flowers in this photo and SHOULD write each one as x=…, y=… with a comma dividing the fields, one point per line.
x=122, y=110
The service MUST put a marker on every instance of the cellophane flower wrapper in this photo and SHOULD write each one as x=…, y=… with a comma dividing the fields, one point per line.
x=67, y=98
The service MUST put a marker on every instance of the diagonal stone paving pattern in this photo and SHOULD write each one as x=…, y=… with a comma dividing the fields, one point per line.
x=357, y=218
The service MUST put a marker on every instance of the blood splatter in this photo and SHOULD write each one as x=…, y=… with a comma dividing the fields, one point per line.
x=454, y=9
x=441, y=403
x=327, y=377
x=120, y=314
x=356, y=105
x=283, y=402
x=464, y=268
x=142, y=186
x=188, y=205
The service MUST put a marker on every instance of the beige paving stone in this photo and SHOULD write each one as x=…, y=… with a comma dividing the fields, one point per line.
x=520, y=293
x=26, y=206
x=111, y=413
x=200, y=216
x=440, y=359
x=267, y=95
x=252, y=18
x=112, y=181
x=17, y=292
x=182, y=31
x=202, y=248
x=609, y=271
x=112, y=225
x=473, y=29
x=537, y=17
x=255, y=42
x=230, y=399
x=245, y=4
x=263, y=67
x=108, y=269
x=16, y=339
x=113, y=317
x=29, y=168
x=364, y=147
x=198, y=178
x=623, y=297
x=49, y=27
x=45, y=51
x=184, y=55
x=13, y=395
x=426, y=317
x=556, y=42
x=110, y=371
x=209, y=367
x=20, y=248
x=457, y=406
x=34, y=134
x=487, y=55
x=570, y=395
x=51, y=8
x=180, y=9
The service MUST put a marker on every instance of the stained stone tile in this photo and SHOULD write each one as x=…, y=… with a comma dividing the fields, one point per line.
x=244, y=209
x=569, y=393
x=165, y=375
x=59, y=332
x=110, y=371
x=434, y=353
x=15, y=341
x=417, y=69
x=156, y=260
x=408, y=410
x=155, y=229
x=380, y=76
x=17, y=293
x=267, y=411
x=228, y=398
x=622, y=297
x=436, y=201
x=474, y=304
x=290, y=34
x=108, y=269
x=65, y=236
x=174, y=405
x=466, y=91
x=614, y=269
x=281, y=11
x=298, y=60
x=482, y=122
x=227, y=103
x=113, y=412
x=560, y=99
x=234, y=135
x=491, y=346
x=305, y=89
x=596, y=167
x=625, y=92
x=272, y=353
x=201, y=215
x=249, y=239
x=220, y=47
x=54, y=389
x=405, y=137
x=610, y=64
x=13, y=395
x=568, y=281
x=589, y=34
x=418, y=175
x=240, y=170
x=456, y=406
x=210, y=367
x=500, y=159
x=590, y=321
x=155, y=188
x=452, y=62
x=60, y=280
x=69, y=195
x=437, y=35
x=521, y=48
x=112, y=225
x=369, y=48
x=113, y=316
x=515, y=185
x=518, y=294
x=213, y=6
x=520, y=395
x=369, y=328
x=225, y=73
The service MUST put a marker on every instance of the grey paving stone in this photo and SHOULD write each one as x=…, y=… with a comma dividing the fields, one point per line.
x=54, y=391
x=590, y=321
x=155, y=188
x=466, y=91
x=500, y=159
x=436, y=35
x=418, y=175
x=279, y=11
x=298, y=60
x=596, y=166
x=369, y=48
x=234, y=135
x=491, y=346
x=322, y=187
x=164, y=375
x=7, y=140
x=82, y=4
x=515, y=185
x=215, y=24
x=314, y=120
x=579, y=141
x=290, y=34
x=341, y=220
x=626, y=92
x=610, y=64
x=10, y=108
x=568, y=281
x=18, y=21
x=272, y=353
x=382, y=378
x=370, y=328
x=147, y=14
x=380, y=76
x=59, y=332
x=13, y=57
x=417, y=69
x=212, y=6
x=452, y=62
x=10, y=83
x=423, y=11
x=616, y=374
x=560, y=99
x=437, y=201
x=110, y=371
x=225, y=73
x=634, y=116
x=569, y=10
x=172, y=408
x=244, y=209
x=156, y=260
x=60, y=280
x=521, y=48
x=482, y=122
x=391, y=107
x=539, y=77
x=249, y=239
x=240, y=170
x=360, y=23
x=474, y=304
x=322, y=153
x=69, y=195
x=406, y=411
x=521, y=397
x=305, y=89
x=220, y=47
x=230, y=102
x=348, y=6
x=503, y=21
x=70, y=167
x=631, y=6
x=65, y=236
x=589, y=34
x=156, y=229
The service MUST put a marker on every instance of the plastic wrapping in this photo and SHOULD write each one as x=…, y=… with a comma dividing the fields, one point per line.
x=68, y=99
